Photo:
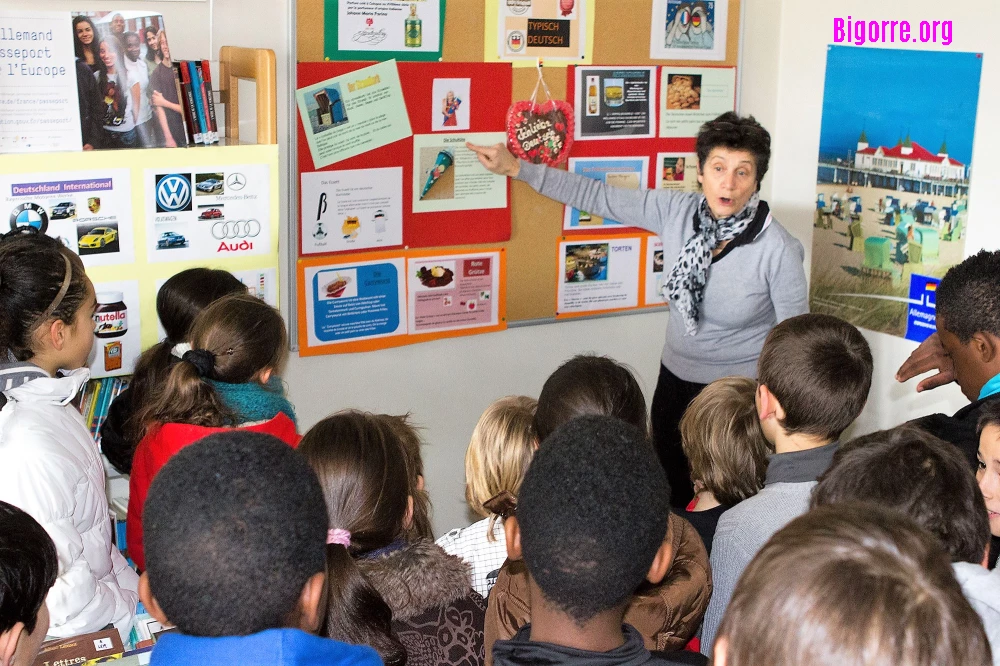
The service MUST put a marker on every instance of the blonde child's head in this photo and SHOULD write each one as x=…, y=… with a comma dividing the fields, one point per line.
x=723, y=440
x=501, y=449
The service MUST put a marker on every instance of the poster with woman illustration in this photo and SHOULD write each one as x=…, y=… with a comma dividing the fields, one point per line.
x=128, y=91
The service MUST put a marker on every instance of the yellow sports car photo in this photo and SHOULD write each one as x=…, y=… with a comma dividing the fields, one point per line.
x=98, y=237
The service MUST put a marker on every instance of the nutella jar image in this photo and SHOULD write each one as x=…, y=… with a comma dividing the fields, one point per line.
x=111, y=315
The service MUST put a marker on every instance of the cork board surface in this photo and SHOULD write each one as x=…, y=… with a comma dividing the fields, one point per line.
x=621, y=37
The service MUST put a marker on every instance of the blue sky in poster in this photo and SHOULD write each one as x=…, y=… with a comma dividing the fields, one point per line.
x=888, y=92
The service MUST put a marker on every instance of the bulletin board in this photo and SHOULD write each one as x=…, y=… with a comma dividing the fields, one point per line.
x=620, y=37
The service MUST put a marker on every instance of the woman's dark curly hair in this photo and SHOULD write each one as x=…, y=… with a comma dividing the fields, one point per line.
x=735, y=133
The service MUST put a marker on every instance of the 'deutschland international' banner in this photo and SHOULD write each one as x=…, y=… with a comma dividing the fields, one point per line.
x=39, y=110
x=892, y=184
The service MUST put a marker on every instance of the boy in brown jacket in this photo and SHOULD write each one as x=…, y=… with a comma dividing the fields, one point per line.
x=666, y=614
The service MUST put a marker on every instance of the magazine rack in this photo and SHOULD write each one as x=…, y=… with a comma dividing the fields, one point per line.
x=258, y=65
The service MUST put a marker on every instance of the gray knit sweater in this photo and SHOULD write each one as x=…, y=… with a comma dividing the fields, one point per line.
x=748, y=291
x=744, y=529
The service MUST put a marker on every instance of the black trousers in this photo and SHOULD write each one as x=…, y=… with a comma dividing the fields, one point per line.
x=671, y=398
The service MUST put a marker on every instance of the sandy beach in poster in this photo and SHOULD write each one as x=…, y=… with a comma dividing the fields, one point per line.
x=600, y=274
x=453, y=292
x=353, y=113
x=687, y=30
x=448, y=176
x=630, y=173
x=891, y=214
x=354, y=209
x=691, y=96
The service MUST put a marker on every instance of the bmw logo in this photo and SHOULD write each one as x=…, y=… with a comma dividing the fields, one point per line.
x=29, y=215
x=173, y=193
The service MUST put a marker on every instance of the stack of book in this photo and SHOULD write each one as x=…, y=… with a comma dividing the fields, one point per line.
x=95, y=400
x=194, y=81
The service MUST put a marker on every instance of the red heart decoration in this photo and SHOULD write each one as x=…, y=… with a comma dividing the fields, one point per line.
x=540, y=133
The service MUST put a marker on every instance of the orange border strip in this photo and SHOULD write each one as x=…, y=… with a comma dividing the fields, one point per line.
x=404, y=339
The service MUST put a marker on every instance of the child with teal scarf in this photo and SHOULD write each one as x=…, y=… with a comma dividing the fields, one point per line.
x=253, y=402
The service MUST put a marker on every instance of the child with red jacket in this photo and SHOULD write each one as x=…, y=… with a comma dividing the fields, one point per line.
x=226, y=380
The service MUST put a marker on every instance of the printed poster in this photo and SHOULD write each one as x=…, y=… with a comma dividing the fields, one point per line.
x=550, y=29
x=122, y=49
x=353, y=113
x=448, y=176
x=892, y=184
x=677, y=171
x=613, y=102
x=691, y=96
x=117, y=327
x=89, y=211
x=208, y=212
x=383, y=29
x=39, y=111
x=630, y=173
x=689, y=30
x=453, y=292
x=355, y=301
x=352, y=209
x=656, y=272
x=598, y=275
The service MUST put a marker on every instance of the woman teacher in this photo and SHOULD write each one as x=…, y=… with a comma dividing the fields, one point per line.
x=736, y=271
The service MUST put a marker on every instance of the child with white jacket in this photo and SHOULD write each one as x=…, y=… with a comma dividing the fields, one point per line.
x=50, y=466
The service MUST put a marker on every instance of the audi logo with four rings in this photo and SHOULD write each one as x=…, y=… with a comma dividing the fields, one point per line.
x=231, y=229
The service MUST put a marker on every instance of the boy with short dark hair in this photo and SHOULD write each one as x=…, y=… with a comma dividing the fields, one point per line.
x=911, y=471
x=591, y=525
x=813, y=377
x=235, y=536
x=28, y=568
x=968, y=330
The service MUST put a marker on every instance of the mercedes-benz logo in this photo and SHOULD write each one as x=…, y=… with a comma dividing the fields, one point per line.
x=236, y=181
x=231, y=229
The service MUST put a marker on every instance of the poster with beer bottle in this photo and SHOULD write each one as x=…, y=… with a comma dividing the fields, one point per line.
x=383, y=29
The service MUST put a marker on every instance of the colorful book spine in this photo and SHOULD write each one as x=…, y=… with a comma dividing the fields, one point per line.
x=192, y=107
x=206, y=75
x=206, y=136
x=180, y=99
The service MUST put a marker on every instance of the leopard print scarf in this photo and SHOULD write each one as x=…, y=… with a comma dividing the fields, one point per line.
x=685, y=286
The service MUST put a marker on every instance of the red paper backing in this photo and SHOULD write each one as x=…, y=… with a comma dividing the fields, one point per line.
x=490, y=92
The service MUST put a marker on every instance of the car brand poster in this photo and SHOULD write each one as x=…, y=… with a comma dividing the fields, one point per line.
x=89, y=211
x=207, y=212
x=100, y=206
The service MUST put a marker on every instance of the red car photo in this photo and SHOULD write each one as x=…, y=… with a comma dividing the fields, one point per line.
x=210, y=214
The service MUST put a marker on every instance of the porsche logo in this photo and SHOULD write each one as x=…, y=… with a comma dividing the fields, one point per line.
x=94, y=204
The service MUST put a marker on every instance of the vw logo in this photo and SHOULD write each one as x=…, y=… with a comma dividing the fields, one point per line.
x=173, y=193
x=236, y=181
x=231, y=229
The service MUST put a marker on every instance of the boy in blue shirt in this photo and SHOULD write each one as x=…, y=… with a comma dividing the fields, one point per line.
x=235, y=539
